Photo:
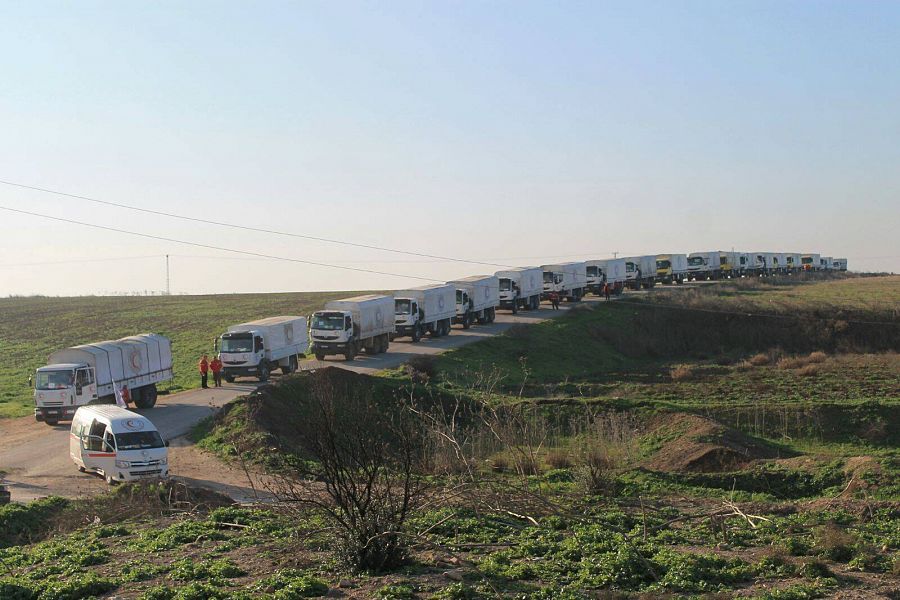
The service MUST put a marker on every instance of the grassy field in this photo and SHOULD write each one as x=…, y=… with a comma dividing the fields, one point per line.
x=32, y=328
x=599, y=455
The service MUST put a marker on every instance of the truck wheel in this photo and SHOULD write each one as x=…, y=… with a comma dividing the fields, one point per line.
x=447, y=327
x=263, y=373
x=467, y=322
x=110, y=480
x=416, y=334
x=385, y=343
x=320, y=356
x=229, y=378
x=492, y=316
x=515, y=307
x=52, y=422
x=145, y=397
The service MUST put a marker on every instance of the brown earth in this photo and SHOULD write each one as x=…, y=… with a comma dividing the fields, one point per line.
x=701, y=445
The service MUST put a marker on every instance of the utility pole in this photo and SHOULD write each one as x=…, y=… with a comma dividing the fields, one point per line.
x=168, y=288
x=615, y=255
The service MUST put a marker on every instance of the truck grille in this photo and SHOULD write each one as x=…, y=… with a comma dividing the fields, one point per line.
x=325, y=337
x=145, y=473
x=147, y=463
x=52, y=403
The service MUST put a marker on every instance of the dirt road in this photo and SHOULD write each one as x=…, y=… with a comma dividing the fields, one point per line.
x=36, y=459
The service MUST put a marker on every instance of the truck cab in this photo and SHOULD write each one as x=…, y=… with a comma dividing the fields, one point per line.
x=408, y=317
x=463, y=303
x=552, y=282
x=595, y=278
x=509, y=291
x=241, y=350
x=60, y=389
x=331, y=327
x=697, y=266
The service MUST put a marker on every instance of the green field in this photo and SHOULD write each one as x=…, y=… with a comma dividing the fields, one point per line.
x=32, y=328
x=739, y=441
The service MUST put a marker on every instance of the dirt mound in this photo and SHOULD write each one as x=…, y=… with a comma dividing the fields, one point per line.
x=700, y=445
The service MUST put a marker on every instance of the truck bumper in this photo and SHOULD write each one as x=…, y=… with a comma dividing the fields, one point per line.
x=58, y=413
x=239, y=371
x=329, y=347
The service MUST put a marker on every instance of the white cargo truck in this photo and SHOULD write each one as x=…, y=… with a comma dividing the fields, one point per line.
x=256, y=348
x=520, y=288
x=424, y=309
x=351, y=325
x=93, y=373
x=671, y=268
x=613, y=271
x=569, y=280
x=840, y=264
x=768, y=262
x=810, y=262
x=826, y=263
x=640, y=271
x=703, y=265
x=793, y=262
x=477, y=299
x=747, y=264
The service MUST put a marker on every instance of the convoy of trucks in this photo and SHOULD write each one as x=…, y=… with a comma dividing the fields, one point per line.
x=568, y=280
x=257, y=348
x=130, y=368
x=425, y=309
x=477, y=299
x=349, y=326
x=520, y=288
x=671, y=268
x=73, y=377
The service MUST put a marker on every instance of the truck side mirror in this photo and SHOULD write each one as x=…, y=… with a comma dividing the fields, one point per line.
x=348, y=323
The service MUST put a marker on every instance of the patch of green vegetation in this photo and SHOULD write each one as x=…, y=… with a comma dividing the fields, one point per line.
x=288, y=584
x=20, y=522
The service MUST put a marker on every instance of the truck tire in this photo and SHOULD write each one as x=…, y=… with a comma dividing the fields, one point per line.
x=467, y=321
x=416, y=334
x=320, y=356
x=492, y=315
x=447, y=328
x=290, y=367
x=51, y=422
x=263, y=373
x=385, y=343
x=350, y=354
x=229, y=378
x=145, y=397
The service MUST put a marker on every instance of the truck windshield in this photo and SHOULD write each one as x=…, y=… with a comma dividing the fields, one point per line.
x=548, y=276
x=138, y=440
x=695, y=261
x=663, y=264
x=402, y=307
x=504, y=285
x=593, y=271
x=328, y=321
x=237, y=343
x=806, y=260
x=629, y=267
x=54, y=380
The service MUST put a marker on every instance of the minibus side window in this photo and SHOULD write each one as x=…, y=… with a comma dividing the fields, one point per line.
x=109, y=441
x=94, y=441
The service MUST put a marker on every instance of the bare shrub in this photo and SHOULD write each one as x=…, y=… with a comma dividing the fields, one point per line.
x=363, y=474
x=791, y=362
x=808, y=371
x=608, y=444
x=834, y=542
x=744, y=365
x=682, y=373
x=759, y=360
x=559, y=459
x=499, y=464
x=422, y=368
x=817, y=357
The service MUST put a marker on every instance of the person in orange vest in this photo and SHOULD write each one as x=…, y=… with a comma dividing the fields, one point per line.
x=204, y=371
x=216, y=367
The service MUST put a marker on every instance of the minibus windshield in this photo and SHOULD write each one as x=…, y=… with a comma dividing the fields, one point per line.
x=138, y=440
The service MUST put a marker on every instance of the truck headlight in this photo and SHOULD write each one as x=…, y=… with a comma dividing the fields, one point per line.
x=164, y=460
x=123, y=464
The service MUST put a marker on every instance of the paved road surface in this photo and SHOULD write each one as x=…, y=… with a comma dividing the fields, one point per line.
x=36, y=457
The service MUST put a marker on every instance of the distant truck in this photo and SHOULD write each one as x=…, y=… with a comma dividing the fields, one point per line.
x=640, y=271
x=826, y=263
x=477, y=299
x=520, y=288
x=569, y=280
x=257, y=348
x=810, y=262
x=425, y=309
x=352, y=325
x=840, y=264
x=612, y=272
x=93, y=373
x=768, y=263
x=793, y=262
x=704, y=265
x=671, y=268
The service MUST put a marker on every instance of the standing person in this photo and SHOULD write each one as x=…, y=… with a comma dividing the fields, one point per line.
x=554, y=300
x=606, y=290
x=204, y=371
x=216, y=367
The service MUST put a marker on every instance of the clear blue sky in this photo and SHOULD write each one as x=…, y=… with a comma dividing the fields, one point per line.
x=485, y=130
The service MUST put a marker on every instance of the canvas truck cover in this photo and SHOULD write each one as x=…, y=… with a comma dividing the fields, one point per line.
x=134, y=361
x=438, y=301
x=373, y=313
x=277, y=332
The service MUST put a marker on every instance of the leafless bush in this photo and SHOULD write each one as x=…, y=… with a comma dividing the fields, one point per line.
x=559, y=459
x=608, y=444
x=682, y=373
x=808, y=371
x=791, y=362
x=759, y=360
x=421, y=368
x=744, y=365
x=817, y=357
x=363, y=474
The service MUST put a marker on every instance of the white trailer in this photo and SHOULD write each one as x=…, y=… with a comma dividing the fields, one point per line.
x=671, y=268
x=95, y=372
x=839, y=264
x=256, y=348
x=704, y=265
x=424, y=309
x=810, y=262
x=477, y=299
x=729, y=263
x=351, y=325
x=747, y=264
x=569, y=280
x=640, y=271
x=780, y=261
x=520, y=288
x=613, y=270
x=826, y=263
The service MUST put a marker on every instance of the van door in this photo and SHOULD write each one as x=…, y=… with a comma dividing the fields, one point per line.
x=97, y=450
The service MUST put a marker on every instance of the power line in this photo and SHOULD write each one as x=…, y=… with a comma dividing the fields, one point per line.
x=211, y=247
x=79, y=261
x=246, y=227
